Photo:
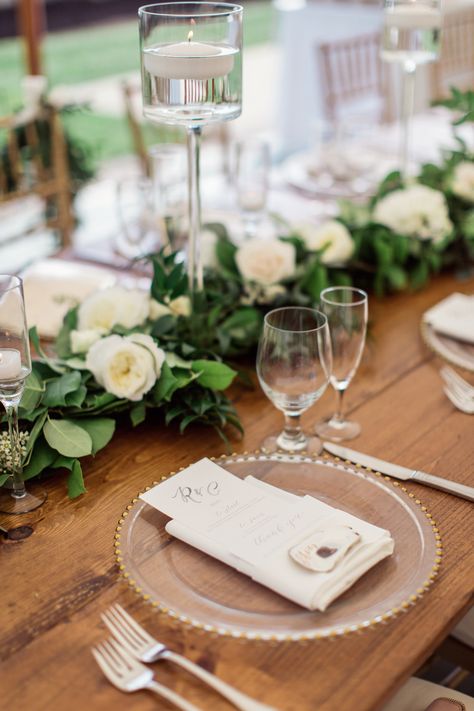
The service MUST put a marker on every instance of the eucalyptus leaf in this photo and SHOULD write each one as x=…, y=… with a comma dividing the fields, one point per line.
x=58, y=389
x=75, y=481
x=67, y=438
x=43, y=456
x=34, y=389
x=213, y=375
x=99, y=429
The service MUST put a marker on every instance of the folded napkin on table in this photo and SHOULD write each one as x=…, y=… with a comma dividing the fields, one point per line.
x=355, y=545
x=454, y=317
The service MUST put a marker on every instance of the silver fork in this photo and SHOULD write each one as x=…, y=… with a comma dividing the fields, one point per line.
x=462, y=402
x=456, y=383
x=143, y=646
x=128, y=674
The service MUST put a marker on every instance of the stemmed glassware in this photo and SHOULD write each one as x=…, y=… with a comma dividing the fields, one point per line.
x=191, y=76
x=251, y=181
x=15, y=366
x=293, y=367
x=346, y=309
x=411, y=37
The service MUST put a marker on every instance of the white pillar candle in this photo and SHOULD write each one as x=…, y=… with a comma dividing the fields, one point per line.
x=10, y=364
x=189, y=60
x=413, y=17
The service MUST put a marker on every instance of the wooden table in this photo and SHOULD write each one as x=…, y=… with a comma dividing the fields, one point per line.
x=56, y=583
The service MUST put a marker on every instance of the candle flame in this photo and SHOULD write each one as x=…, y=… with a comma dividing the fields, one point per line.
x=190, y=35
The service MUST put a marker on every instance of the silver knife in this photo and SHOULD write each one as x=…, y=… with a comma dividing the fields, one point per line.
x=395, y=470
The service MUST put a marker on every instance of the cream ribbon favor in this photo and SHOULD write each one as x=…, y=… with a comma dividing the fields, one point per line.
x=298, y=546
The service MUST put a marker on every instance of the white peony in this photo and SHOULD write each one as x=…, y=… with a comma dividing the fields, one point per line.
x=111, y=307
x=416, y=211
x=333, y=236
x=181, y=306
x=81, y=341
x=127, y=366
x=266, y=261
x=463, y=181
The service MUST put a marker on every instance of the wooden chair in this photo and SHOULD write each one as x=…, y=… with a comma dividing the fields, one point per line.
x=456, y=63
x=33, y=161
x=352, y=77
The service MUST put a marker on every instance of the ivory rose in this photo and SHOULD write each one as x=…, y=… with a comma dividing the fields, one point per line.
x=266, y=261
x=111, y=307
x=181, y=306
x=333, y=236
x=463, y=181
x=81, y=341
x=416, y=211
x=126, y=366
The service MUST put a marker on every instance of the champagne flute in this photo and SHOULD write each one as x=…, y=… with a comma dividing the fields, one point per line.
x=15, y=366
x=411, y=37
x=346, y=309
x=293, y=367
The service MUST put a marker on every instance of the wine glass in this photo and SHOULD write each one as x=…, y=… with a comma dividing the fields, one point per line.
x=168, y=174
x=139, y=233
x=251, y=181
x=15, y=366
x=293, y=367
x=191, y=76
x=346, y=309
x=411, y=37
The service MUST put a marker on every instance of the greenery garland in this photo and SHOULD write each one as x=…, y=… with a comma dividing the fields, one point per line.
x=66, y=413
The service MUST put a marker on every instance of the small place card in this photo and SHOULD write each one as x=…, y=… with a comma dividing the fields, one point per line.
x=252, y=524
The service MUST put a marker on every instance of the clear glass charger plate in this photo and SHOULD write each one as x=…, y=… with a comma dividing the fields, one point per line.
x=456, y=352
x=197, y=590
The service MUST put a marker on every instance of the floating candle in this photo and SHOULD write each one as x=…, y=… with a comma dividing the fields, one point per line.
x=189, y=60
x=10, y=364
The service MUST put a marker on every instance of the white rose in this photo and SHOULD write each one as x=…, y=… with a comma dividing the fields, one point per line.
x=157, y=310
x=127, y=366
x=333, y=236
x=81, y=341
x=111, y=307
x=266, y=261
x=181, y=306
x=463, y=181
x=417, y=211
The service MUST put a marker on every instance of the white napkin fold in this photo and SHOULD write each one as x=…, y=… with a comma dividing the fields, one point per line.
x=454, y=317
x=310, y=589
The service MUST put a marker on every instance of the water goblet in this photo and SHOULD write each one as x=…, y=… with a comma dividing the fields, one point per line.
x=251, y=181
x=346, y=309
x=293, y=367
x=15, y=366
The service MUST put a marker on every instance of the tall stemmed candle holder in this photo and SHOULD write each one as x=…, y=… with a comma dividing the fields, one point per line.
x=191, y=76
x=15, y=366
x=411, y=37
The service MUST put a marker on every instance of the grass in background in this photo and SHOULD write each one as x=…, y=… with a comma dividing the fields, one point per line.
x=90, y=53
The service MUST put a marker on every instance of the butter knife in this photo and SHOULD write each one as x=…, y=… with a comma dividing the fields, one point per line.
x=395, y=470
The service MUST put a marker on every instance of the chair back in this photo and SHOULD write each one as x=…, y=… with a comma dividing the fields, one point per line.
x=455, y=66
x=33, y=160
x=351, y=76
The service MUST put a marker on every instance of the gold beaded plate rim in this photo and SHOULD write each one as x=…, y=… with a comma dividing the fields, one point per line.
x=426, y=330
x=337, y=631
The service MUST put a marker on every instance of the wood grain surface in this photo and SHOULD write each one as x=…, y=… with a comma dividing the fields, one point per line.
x=56, y=582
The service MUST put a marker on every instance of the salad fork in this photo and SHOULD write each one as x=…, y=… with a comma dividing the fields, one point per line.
x=128, y=674
x=461, y=401
x=456, y=383
x=143, y=646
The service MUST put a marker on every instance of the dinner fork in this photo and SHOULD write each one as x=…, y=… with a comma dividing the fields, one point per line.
x=143, y=646
x=128, y=674
x=461, y=401
x=456, y=383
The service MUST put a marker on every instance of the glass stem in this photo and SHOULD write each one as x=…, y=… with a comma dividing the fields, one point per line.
x=195, y=270
x=292, y=427
x=339, y=416
x=18, y=489
x=408, y=105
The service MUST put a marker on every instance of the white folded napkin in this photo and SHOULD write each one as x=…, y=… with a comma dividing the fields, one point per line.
x=454, y=317
x=281, y=573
